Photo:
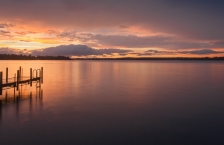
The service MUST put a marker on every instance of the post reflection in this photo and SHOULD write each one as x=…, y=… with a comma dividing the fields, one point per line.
x=25, y=97
x=0, y=109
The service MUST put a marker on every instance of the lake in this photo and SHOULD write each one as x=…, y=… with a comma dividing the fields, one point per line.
x=115, y=102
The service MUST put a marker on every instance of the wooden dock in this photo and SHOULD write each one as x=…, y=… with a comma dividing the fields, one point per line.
x=19, y=79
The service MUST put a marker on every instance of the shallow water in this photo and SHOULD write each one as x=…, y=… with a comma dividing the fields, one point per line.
x=116, y=102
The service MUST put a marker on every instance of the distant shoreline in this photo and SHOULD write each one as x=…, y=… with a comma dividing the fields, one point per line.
x=150, y=58
x=29, y=57
x=99, y=59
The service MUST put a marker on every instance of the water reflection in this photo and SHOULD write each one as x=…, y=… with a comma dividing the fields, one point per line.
x=11, y=98
x=117, y=102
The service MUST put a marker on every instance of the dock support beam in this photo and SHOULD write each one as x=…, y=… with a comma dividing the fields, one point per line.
x=20, y=72
x=7, y=74
x=42, y=75
x=18, y=78
x=0, y=83
x=31, y=76
x=14, y=81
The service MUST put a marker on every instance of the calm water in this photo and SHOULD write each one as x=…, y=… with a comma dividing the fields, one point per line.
x=116, y=102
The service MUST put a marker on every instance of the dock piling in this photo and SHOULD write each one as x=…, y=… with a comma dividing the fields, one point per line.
x=18, y=79
x=14, y=80
x=42, y=75
x=7, y=74
x=21, y=75
x=0, y=83
x=31, y=76
x=20, y=70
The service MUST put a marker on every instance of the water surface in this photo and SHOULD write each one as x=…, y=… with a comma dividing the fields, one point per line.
x=116, y=102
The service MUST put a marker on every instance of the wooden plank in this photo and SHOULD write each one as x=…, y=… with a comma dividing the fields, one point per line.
x=24, y=81
x=36, y=79
x=9, y=84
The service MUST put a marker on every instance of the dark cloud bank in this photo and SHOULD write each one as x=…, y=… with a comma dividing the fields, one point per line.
x=192, y=52
x=83, y=50
x=76, y=50
x=9, y=51
x=66, y=50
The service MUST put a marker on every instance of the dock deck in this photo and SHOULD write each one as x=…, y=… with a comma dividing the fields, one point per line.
x=20, y=79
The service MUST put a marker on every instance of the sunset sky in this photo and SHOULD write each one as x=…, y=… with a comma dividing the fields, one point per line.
x=112, y=28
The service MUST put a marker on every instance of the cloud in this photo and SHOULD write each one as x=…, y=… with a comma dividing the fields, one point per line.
x=76, y=50
x=5, y=25
x=134, y=41
x=26, y=40
x=202, y=52
x=131, y=41
x=67, y=34
x=197, y=52
x=5, y=50
x=156, y=52
x=202, y=20
x=5, y=33
x=22, y=33
x=85, y=51
x=123, y=27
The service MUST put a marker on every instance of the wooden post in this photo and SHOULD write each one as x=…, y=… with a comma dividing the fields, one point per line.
x=7, y=73
x=0, y=110
x=20, y=70
x=21, y=75
x=42, y=75
x=14, y=81
x=41, y=93
x=6, y=96
x=0, y=83
x=17, y=84
x=14, y=93
x=31, y=77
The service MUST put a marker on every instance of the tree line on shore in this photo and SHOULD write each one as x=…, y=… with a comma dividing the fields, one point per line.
x=30, y=57
x=154, y=58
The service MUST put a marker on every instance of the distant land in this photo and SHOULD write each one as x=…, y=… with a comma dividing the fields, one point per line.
x=154, y=58
x=30, y=57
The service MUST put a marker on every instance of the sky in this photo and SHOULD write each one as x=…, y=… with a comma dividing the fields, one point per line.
x=112, y=28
